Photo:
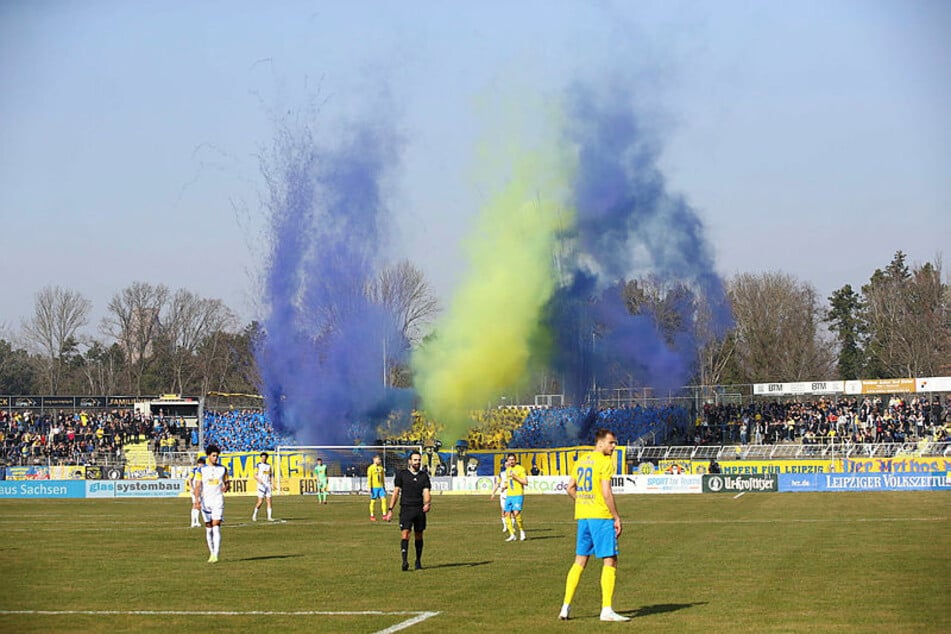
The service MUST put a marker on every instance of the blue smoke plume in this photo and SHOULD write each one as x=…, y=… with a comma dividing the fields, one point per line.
x=627, y=225
x=325, y=343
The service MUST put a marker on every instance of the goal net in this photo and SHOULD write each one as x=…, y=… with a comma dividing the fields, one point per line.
x=342, y=461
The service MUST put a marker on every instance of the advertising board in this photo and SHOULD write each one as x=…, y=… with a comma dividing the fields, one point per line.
x=742, y=483
x=43, y=489
x=865, y=482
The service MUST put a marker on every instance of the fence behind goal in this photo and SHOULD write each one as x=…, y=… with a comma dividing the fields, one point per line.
x=346, y=461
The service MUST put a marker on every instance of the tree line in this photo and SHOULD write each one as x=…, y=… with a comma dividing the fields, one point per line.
x=156, y=340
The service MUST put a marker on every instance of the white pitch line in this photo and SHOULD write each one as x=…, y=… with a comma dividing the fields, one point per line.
x=419, y=618
x=416, y=617
x=738, y=494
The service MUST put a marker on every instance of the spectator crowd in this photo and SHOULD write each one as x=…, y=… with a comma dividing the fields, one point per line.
x=83, y=437
x=99, y=437
x=871, y=419
x=566, y=426
x=242, y=430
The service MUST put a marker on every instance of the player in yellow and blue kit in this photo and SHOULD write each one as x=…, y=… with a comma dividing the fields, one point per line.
x=599, y=524
x=516, y=481
x=377, y=485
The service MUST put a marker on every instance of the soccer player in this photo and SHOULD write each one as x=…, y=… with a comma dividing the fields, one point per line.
x=376, y=483
x=265, y=480
x=414, y=485
x=211, y=483
x=320, y=472
x=599, y=524
x=501, y=487
x=196, y=501
x=516, y=480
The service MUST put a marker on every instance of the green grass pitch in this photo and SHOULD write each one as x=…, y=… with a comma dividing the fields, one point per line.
x=790, y=562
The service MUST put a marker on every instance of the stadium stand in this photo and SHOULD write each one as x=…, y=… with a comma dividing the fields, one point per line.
x=872, y=419
x=76, y=438
x=242, y=430
x=83, y=438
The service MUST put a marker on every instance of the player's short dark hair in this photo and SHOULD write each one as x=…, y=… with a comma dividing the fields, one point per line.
x=415, y=452
x=210, y=449
x=202, y=459
x=264, y=454
x=511, y=455
x=602, y=433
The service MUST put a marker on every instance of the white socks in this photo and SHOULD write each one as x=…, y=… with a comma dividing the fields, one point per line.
x=215, y=540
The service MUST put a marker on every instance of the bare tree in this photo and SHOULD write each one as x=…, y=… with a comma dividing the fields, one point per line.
x=908, y=318
x=716, y=347
x=670, y=304
x=101, y=367
x=58, y=314
x=190, y=321
x=777, y=329
x=227, y=363
x=403, y=290
x=134, y=321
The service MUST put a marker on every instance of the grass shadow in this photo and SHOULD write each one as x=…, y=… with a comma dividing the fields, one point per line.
x=660, y=608
x=263, y=557
x=461, y=564
x=541, y=537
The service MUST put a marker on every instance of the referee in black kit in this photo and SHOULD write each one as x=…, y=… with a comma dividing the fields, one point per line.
x=414, y=485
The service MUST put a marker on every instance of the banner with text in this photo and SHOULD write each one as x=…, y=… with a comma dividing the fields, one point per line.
x=550, y=462
x=725, y=483
x=43, y=489
x=653, y=484
x=865, y=482
x=896, y=464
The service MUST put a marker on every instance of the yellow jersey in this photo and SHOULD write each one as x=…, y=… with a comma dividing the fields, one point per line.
x=593, y=469
x=514, y=486
x=375, y=476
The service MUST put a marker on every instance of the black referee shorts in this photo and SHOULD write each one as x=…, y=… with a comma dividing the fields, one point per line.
x=412, y=517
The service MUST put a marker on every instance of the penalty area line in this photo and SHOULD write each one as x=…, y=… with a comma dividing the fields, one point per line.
x=415, y=617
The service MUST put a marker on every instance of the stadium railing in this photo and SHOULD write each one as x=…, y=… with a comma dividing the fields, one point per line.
x=791, y=451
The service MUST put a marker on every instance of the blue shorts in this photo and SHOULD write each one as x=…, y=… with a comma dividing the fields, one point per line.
x=596, y=537
x=513, y=503
x=377, y=492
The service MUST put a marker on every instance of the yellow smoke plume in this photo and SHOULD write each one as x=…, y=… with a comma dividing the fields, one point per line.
x=482, y=346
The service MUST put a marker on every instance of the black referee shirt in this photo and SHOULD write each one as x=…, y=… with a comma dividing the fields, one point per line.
x=411, y=487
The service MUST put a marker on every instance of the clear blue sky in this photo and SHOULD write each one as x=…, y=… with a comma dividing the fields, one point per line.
x=813, y=138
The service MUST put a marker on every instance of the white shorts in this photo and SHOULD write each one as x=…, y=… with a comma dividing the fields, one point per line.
x=214, y=512
x=264, y=490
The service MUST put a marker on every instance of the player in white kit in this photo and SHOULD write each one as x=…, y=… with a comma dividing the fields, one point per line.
x=196, y=502
x=211, y=484
x=264, y=477
x=502, y=488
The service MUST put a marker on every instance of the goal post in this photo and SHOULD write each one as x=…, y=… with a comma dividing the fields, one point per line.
x=342, y=461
